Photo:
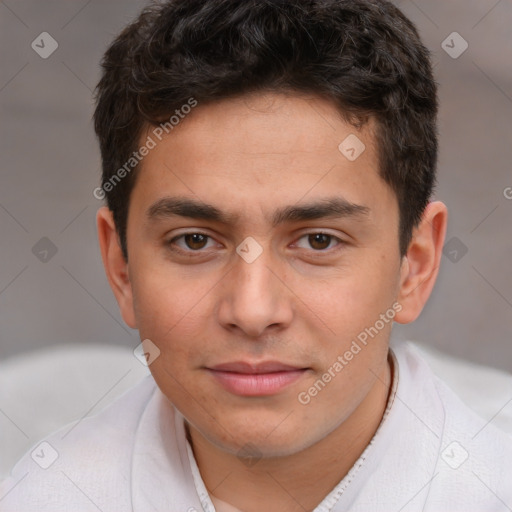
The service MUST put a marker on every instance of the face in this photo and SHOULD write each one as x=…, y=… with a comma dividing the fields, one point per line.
x=258, y=254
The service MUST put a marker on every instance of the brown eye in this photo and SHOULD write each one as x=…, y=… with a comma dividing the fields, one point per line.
x=193, y=244
x=319, y=241
x=195, y=241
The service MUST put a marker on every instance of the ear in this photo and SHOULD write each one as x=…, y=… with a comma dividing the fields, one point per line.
x=116, y=267
x=420, y=265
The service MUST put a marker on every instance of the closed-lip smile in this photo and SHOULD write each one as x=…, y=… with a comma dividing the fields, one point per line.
x=256, y=379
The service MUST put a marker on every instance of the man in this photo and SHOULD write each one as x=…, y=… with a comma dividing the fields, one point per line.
x=268, y=168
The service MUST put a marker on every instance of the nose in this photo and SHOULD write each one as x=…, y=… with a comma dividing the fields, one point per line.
x=254, y=296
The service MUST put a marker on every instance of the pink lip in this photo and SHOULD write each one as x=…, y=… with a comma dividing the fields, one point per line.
x=262, y=379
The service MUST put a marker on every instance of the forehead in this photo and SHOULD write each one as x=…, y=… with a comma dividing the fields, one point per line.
x=247, y=155
x=266, y=125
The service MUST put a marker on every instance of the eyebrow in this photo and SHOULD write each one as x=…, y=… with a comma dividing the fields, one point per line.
x=193, y=209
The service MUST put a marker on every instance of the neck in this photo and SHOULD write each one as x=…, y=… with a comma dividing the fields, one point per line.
x=298, y=482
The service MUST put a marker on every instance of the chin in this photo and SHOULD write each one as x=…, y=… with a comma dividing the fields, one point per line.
x=263, y=440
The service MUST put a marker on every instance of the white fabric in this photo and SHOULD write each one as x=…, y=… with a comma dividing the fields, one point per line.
x=486, y=390
x=134, y=456
x=44, y=389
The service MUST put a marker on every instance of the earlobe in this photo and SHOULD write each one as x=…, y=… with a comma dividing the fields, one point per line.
x=116, y=267
x=420, y=265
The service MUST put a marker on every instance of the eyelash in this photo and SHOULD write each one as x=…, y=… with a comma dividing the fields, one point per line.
x=192, y=253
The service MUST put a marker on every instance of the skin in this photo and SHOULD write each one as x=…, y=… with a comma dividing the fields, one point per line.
x=302, y=301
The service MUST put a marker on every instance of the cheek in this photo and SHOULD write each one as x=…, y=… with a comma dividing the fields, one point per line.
x=349, y=303
x=358, y=309
x=172, y=316
x=164, y=301
x=172, y=320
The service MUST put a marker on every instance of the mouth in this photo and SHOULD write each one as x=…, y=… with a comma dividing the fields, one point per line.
x=262, y=379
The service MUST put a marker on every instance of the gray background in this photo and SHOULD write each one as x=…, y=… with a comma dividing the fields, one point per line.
x=50, y=165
